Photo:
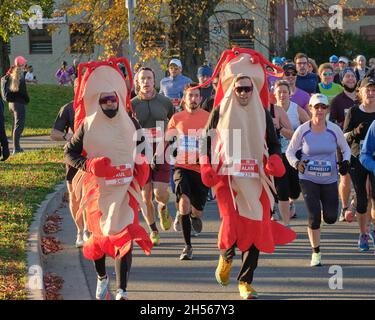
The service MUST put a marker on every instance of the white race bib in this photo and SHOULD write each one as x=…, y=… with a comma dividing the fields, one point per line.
x=246, y=168
x=319, y=168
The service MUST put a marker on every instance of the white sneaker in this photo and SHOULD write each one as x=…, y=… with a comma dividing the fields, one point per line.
x=79, y=241
x=177, y=222
x=86, y=235
x=121, y=295
x=102, y=289
x=316, y=259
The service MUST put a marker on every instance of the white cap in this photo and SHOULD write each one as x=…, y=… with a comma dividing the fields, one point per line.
x=318, y=98
x=344, y=59
x=176, y=62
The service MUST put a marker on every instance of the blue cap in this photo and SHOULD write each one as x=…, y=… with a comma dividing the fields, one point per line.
x=283, y=59
x=204, y=71
x=277, y=61
x=333, y=59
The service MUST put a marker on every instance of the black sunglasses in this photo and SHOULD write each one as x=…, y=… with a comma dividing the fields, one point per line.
x=287, y=73
x=320, y=106
x=246, y=89
x=104, y=100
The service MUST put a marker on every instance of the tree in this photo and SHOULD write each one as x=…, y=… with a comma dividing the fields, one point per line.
x=11, y=14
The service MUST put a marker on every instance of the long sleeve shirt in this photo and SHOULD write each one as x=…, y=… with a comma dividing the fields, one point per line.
x=368, y=149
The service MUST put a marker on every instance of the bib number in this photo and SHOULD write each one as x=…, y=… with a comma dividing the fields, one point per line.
x=121, y=178
x=246, y=168
x=319, y=168
x=188, y=149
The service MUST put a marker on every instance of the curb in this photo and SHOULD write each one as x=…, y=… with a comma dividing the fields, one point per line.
x=34, y=277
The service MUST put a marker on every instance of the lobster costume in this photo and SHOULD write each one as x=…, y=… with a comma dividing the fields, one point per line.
x=244, y=186
x=110, y=178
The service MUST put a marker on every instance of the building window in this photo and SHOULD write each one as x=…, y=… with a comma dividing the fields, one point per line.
x=368, y=32
x=81, y=38
x=241, y=33
x=40, y=41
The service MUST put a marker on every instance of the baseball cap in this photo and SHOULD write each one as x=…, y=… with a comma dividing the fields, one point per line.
x=277, y=61
x=344, y=59
x=289, y=66
x=344, y=71
x=177, y=62
x=20, y=61
x=367, y=81
x=318, y=98
x=204, y=71
x=333, y=59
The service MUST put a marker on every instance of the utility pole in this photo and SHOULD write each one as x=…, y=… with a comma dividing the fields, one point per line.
x=130, y=5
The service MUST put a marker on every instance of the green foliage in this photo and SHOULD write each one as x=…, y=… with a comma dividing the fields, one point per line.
x=41, y=112
x=25, y=181
x=322, y=43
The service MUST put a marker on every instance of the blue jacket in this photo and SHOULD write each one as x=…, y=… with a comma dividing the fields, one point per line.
x=368, y=149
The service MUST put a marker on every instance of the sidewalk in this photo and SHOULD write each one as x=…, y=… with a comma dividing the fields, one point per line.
x=35, y=143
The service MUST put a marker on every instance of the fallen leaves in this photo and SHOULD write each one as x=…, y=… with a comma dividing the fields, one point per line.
x=52, y=224
x=53, y=284
x=50, y=245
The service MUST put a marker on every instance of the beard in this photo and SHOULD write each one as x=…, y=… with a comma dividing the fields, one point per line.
x=348, y=89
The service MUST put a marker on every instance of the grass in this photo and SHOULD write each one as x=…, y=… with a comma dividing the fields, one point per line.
x=45, y=103
x=25, y=180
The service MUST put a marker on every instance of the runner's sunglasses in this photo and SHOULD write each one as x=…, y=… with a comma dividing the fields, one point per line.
x=104, y=100
x=320, y=106
x=288, y=74
x=246, y=89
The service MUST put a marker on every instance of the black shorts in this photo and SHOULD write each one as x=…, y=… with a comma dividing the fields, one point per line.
x=288, y=185
x=189, y=183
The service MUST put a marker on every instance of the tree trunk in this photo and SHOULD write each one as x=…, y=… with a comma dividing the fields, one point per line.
x=189, y=32
x=4, y=57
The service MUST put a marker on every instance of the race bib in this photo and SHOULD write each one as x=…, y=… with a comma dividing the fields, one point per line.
x=246, y=168
x=123, y=177
x=188, y=149
x=319, y=168
x=153, y=135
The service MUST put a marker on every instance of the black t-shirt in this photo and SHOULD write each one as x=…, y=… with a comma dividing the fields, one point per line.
x=340, y=106
x=353, y=118
x=65, y=118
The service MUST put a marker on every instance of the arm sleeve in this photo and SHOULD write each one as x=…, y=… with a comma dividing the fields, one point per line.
x=62, y=120
x=342, y=143
x=73, y=151
x=294, y=145
x=368, y=149
x=273, y=143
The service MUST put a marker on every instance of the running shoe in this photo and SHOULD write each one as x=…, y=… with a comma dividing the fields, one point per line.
x=165, y=218
x=155, y=238
x=79, y=241
x=222, y=273
x=246, y=291
x=187, y=253
x=177, y=222
x=292, y=210
x=316, y=259
x=372, y=236
x=363, y=242
x=121, y=295
x=102, y=289
x=196, y=224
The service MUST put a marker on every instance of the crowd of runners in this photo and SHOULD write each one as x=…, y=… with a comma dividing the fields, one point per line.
x=251, y=133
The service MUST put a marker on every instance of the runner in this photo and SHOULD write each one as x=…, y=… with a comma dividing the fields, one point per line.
x=318, y=140
x=62, y=130
x=243, y=190
x=287, y=186
x=356, y=125
x=191, y=193
x=340, y=106
x=153, y=112
x=111, y=194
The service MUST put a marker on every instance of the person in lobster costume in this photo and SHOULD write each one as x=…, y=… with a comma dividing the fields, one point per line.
x=111, y=170
x=241, y=170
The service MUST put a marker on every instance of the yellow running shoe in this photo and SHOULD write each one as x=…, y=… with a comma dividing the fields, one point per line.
x=222, y=273
x=165, y=218
x=155, y=238
x=246, y=291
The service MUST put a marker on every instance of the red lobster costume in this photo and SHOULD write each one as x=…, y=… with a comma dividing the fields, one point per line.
x=111, y=178
x=244, y=198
